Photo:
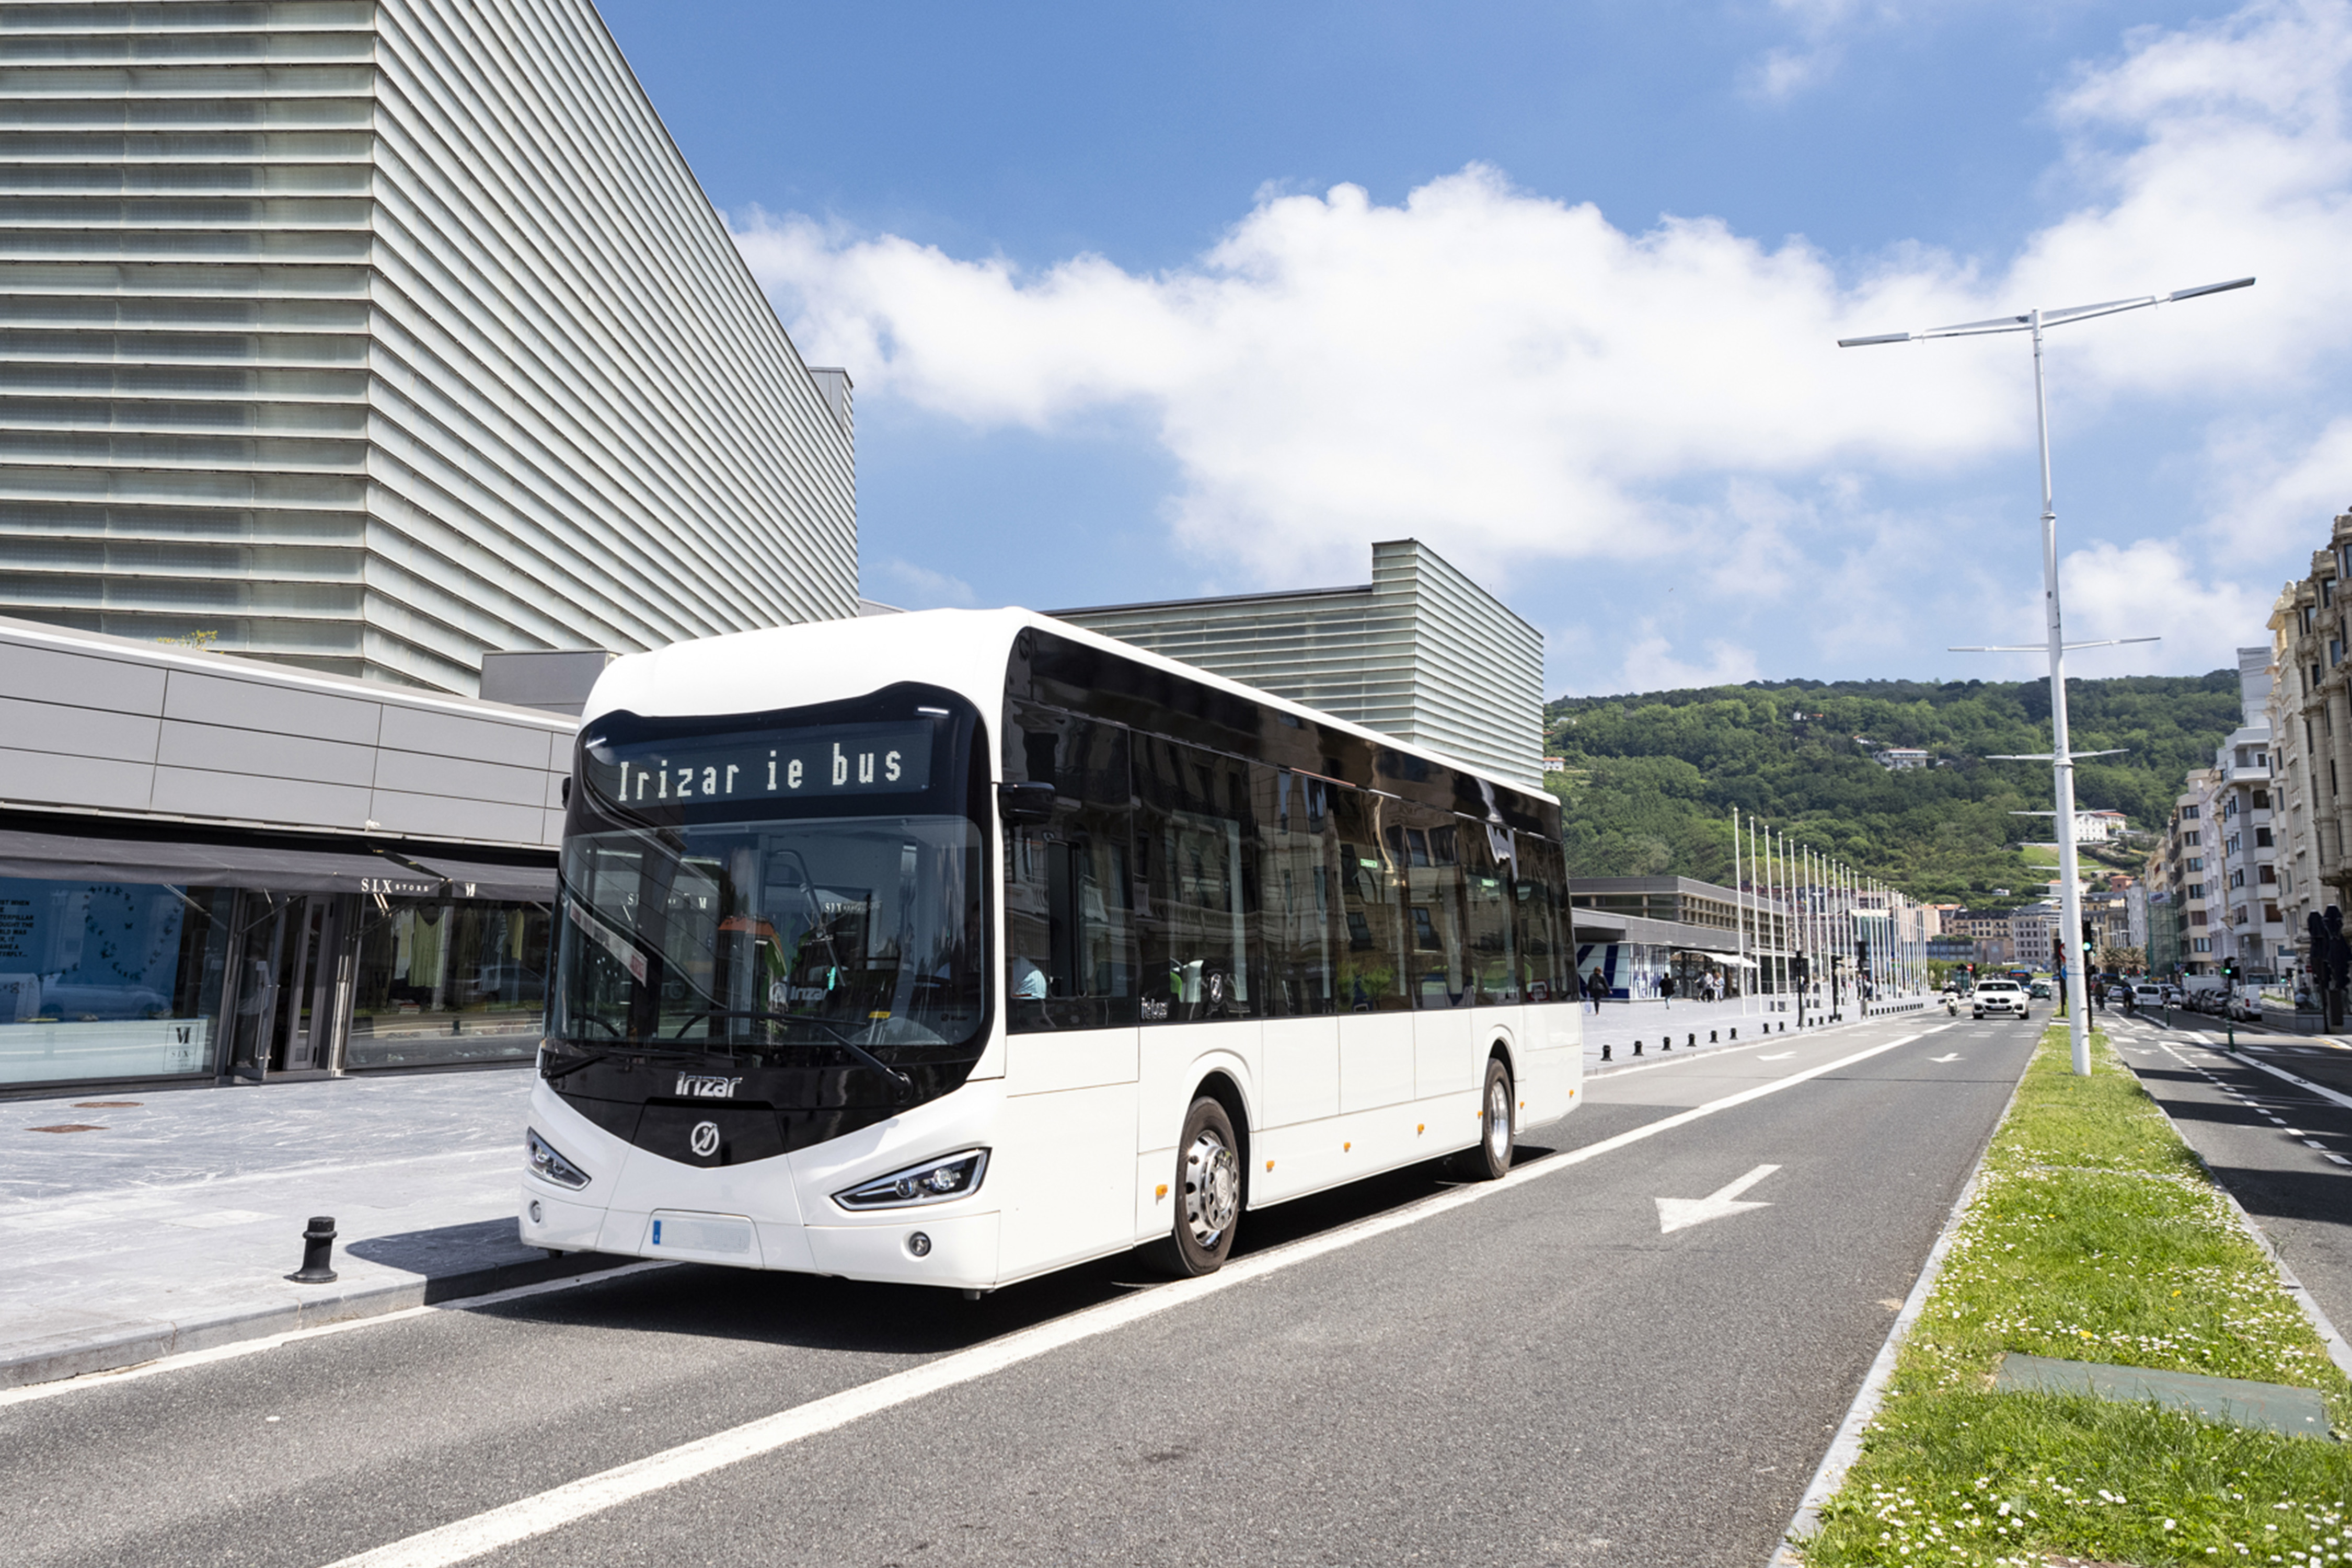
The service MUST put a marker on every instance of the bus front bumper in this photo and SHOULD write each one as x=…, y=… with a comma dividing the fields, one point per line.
x=749, y=1216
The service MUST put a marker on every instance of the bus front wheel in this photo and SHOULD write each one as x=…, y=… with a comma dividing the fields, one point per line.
x=1490, y=1159
x=1208, y=1191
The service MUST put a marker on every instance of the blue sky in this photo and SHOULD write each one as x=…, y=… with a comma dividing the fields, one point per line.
x=1147, y=301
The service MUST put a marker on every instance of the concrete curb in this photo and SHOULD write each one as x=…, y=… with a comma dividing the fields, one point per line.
x=1846, y=1446
x=70, y=1357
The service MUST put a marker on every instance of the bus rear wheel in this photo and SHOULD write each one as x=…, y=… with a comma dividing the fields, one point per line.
x=1208, y=1191
x=1490, y=1159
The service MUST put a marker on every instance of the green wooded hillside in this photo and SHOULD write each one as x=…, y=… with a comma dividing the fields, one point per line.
x=1651, y=779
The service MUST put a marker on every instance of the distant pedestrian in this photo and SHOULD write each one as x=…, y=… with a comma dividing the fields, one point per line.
x=1595, y=988
x=1666, y=989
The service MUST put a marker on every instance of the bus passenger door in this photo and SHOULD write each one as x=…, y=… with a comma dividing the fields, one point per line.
x=1427, y=844
x=1376, y=1045
x=1066, y=1156
x=1298, y=894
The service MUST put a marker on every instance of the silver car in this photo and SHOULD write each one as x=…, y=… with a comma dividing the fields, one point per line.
x=1999, y=998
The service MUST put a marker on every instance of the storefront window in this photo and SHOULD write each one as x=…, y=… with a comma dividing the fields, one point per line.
x=448, y=981
x=102, y=980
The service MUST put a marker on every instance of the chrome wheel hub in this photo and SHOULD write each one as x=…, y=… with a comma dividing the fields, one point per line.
x=1213, y=1188
x=1498, y=1119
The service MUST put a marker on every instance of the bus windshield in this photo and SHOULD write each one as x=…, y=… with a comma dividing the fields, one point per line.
x=759, y=939
x=785, y=888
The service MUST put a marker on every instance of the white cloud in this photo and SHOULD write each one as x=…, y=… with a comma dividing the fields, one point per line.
x=2153, y=588
x=929, y=589
x=1650, y=666
x=2282, y=491
x=1512, y=377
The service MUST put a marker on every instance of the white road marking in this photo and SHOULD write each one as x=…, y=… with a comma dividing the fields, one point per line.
x=1940, y=1060
x=187, y=1358
x=464, y=1540
x=1681, y=1214
x=1776, y=1056
x=2325, y=1093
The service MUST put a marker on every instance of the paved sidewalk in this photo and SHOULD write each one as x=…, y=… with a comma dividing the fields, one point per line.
x=170, y=1221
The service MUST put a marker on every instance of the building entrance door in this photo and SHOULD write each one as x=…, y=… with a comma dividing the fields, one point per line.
x=291, y=984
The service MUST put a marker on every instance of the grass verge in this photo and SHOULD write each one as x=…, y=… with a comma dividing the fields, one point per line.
x=2094, y=1235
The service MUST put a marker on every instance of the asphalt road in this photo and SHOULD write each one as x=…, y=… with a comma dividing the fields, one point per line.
x=1537, y=1375
x=2282, y=1151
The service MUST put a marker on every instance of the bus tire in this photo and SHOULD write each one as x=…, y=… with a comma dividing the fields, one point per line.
x=1490, y=1158
x=1208, y=1190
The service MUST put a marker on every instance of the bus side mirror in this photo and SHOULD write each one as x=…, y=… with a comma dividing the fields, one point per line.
x=1025, y=805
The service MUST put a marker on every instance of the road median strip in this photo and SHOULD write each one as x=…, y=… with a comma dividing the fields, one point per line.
x=2094, y=1238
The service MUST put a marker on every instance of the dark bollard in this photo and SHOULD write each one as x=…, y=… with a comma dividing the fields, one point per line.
x=1735, y=1034
x=1637, y=1047
x=1710, y=1037
x=1604, y=1050
x=1665, y=1042
x=317, y=1245
x=1692, y=1042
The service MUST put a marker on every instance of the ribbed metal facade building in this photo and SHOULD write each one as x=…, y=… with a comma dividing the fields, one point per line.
x=1421, y=652
x=372, y=336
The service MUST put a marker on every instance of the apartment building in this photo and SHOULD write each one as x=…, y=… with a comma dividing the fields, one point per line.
x=2311, y=750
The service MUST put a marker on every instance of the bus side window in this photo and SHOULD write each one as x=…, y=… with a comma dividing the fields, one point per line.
x=1373, y=961
x=1070, y=958
x=1198, y=926
x=1489, y=872
x=1545, y=955
x=1433, y=886
x=1296, y=889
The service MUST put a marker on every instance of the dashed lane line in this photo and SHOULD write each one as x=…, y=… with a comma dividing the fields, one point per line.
x=466, y=1538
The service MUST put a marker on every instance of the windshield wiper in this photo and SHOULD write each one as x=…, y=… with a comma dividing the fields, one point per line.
x=840, y=1037
x=568, y=1069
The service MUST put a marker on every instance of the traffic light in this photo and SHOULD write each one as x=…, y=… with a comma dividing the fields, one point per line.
x=2089, y=941
x=2230, y=969
x=1861, y=953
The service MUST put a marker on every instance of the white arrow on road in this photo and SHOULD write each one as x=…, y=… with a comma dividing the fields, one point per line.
x=1953, y=1057
x=1782, y=1057
x=1680, y=1214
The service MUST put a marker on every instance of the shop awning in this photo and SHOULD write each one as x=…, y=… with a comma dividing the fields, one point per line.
x=1718, y=955
x=490, y=879
x=61, y=856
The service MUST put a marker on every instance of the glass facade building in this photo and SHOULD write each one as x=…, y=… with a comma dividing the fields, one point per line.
x=372, y=335
x=1421, y=652
x=216, y=869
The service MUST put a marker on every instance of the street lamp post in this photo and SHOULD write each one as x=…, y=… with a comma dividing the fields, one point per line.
x=2062, y=760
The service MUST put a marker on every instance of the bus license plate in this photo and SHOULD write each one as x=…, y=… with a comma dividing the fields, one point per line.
x=701, y=1233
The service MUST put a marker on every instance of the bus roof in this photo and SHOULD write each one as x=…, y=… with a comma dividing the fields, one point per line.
x=964, y=650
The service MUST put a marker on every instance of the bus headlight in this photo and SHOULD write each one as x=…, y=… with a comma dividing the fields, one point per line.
x=933, y=1182
x=549, y=1166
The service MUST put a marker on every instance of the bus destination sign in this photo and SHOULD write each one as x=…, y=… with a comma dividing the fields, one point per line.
x=764, y=765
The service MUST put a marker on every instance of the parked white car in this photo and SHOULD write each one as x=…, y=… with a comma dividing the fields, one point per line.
x=1999, y=998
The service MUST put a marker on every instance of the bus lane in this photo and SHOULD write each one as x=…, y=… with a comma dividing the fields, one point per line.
x=1551, y=1316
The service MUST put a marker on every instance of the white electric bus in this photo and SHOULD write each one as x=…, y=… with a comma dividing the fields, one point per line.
x=954, y=947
